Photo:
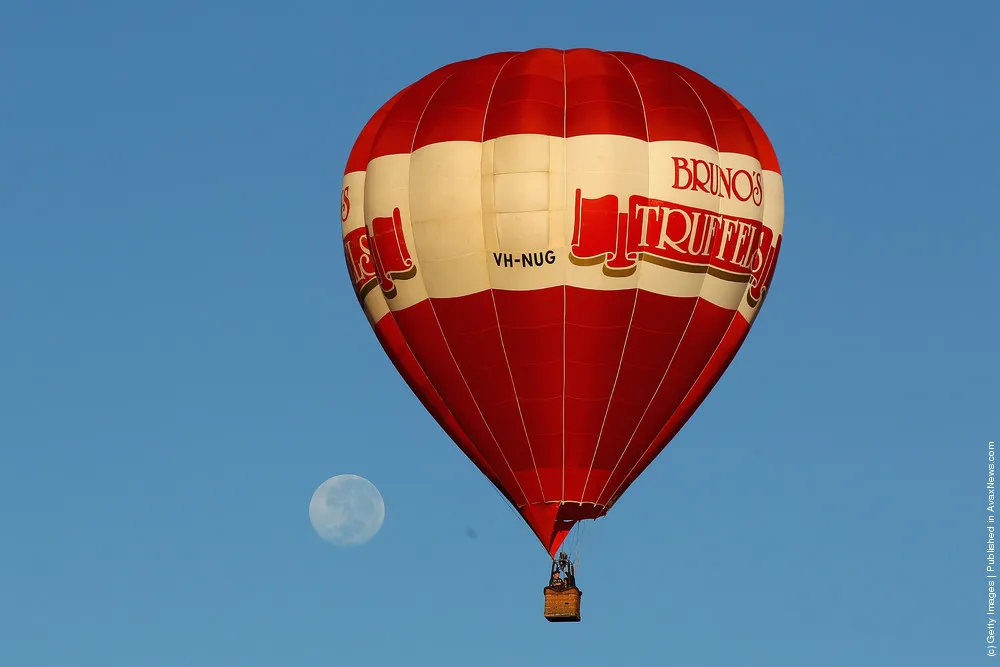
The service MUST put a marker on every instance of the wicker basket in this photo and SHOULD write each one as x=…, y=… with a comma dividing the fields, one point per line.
x=562, y=604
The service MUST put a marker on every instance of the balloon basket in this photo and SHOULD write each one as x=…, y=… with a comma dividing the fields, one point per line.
x=562, y=604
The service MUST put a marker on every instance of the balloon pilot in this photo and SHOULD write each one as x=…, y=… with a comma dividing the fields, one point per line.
x=563, y=574
x=562, y=597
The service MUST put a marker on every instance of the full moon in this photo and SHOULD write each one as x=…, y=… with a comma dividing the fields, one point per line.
x=346, y=510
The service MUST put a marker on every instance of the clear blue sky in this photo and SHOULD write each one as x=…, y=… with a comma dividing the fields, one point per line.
x=182, y=360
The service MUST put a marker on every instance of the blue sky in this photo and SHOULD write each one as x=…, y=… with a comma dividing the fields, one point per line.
x=182, y=360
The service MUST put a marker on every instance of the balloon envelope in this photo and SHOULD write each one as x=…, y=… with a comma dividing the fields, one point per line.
x=561, y=252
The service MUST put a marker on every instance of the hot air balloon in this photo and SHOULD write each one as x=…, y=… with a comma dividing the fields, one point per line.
x=561, y=251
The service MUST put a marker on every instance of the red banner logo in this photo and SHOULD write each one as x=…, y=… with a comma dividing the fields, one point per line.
x=675, y=236
x=378, y=257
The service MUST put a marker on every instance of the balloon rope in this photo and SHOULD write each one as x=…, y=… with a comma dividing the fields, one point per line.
x=579, y=538
x=583, y=538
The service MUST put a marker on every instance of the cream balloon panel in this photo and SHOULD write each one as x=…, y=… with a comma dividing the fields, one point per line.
x=468, y=210
x=374, y=303
x=773, y=217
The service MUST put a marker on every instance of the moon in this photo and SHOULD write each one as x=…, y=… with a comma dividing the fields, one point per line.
x=346, y=510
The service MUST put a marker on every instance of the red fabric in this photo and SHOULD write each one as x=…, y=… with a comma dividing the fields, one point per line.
x=562, y=396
